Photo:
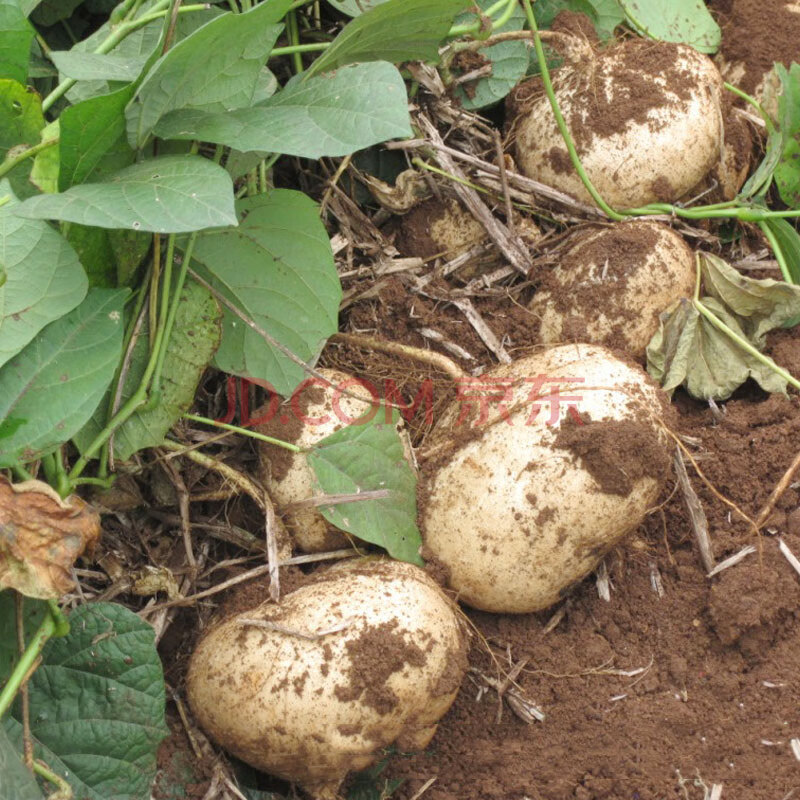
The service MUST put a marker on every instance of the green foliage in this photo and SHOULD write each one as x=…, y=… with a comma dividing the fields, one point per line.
x=686, y=21
x=368, y=455
x=16, y=35
x=96, y=703
x=15, y=779
x=21, y=123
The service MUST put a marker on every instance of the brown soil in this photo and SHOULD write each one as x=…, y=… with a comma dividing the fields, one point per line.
x=757, y=33
x=713, y=690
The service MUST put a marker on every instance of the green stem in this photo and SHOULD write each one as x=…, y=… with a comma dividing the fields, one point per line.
x=46, y=629
x=294, y=40
x=475, y=27
x=753, y=102
x=245, y=432
x=745, y=345
x=778, y=250
x=21, y=473
x=299, y=48
x=64, y=791
x=12, y=162
x=562, y=125
x=158, y=11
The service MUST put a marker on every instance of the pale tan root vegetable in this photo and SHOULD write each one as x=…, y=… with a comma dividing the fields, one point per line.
x=519, y=512
x=369, y=654
x=610, y=286
x=313, y=413
x=438, y=227
x=645, y=118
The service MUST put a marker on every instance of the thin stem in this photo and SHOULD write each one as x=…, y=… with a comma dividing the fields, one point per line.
x=753, y=102
x=12, y=162
x=64, y=789
x=34, y=649
x=299, y=48
x=778, y=250
x=245, y=432
x=475, y=27
x=745, y=345
x=21, y=473
x=562, y=125
x=294, y=40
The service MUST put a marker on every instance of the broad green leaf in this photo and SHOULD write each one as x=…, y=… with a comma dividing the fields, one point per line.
x=363, y=457
x=354, y=8
x=97, y=704
x=607, y=15
x=93, y=142
x=395, y=31
x=278, y=268
x=509, y=63
x=130, y=248
x=689, y=351
x=44, y=278
x=16, y=35
x=216, y=69
x=44, y=173
x=16, y=780
x=330, y=115
x=173, y=194
x=787, y=172
x=686, y=21
x=21, y=123
x=96, y=66
x=191, y=347
x=759, y=305
x=49, y=12
x=789, y=242
x=95, y=253
x=50, y=390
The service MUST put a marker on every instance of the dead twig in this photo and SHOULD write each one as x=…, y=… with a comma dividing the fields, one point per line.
x=696, y=513
x=782, y=485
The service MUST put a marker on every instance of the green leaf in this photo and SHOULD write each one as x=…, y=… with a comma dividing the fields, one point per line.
x=16, y=35
x=395, y=31
x=16, y=780
x=44, y=173
x=331, y=115
x=608, y=14
x=173, y=194
x=49, y=12
x=21, y=122
x=44, y=278
x=278, y=268
x=509, y=62
x=787, y=171
x=789, y=242
x=95, y=253
x=194, y=340
x=760, y=306
x=368, y=456
x=97, y=704
x=354, y=8
x=96, y=66
x=686, y=21
x=93, y=141
x=689, y=351
x=50, y=390
x=216, y=69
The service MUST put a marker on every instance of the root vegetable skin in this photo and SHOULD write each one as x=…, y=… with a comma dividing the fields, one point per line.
x=516, y=518
x=613, y=284
x=310, y=711
x=289, y=476
x=654, y=154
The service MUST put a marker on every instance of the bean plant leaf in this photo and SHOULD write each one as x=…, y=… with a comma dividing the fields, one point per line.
x=93, y=143
x=215, y=69
x=50, y=390
x=97, y=704
x=16, y=780
x=354, y=8
x=16, y=35
x=172, y=194
x=278, y=268
x=21, y=123
x=787, y=171
x=49, y=12
x=194, y=340
x=789, y=242
x=689, y=351
x=97, y=66
x=368, y=456
x=330, y=115
x=44, y=278
x=760, y=306
x=44, y=172
x=686, y=21
x=508, y=62
x=395, y=31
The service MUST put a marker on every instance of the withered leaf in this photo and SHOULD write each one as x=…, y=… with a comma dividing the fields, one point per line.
x=41, y=535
